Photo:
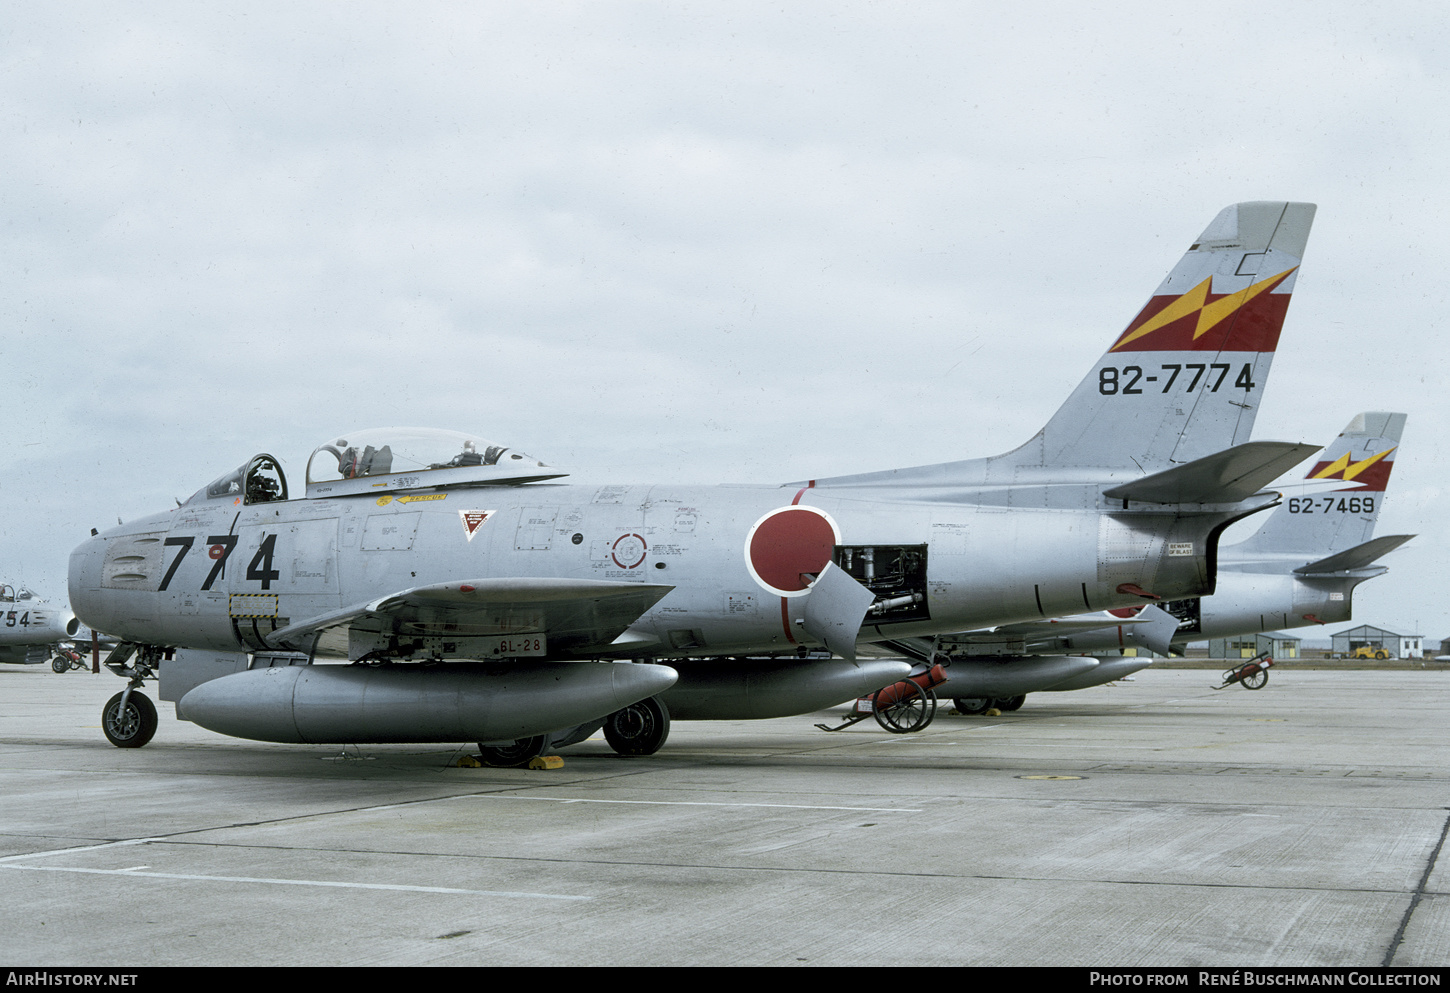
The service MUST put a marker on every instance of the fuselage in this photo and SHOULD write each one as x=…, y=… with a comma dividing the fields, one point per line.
x=221, y=574
x=1252, y=602
x=26, y=620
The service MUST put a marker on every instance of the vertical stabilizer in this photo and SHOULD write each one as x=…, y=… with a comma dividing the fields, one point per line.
x=1184, y=379
x=1320, y=517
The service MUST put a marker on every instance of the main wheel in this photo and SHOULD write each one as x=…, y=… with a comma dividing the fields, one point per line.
x=60, y=664
x=1012, y=702
x=972, y=704
x=904, y=707
x=133, y=728
x=639, y=729
x=1255, y=680
x=516, y=753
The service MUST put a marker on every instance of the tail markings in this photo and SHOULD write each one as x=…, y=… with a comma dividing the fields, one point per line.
x=1262, y=336
x=1346, y=470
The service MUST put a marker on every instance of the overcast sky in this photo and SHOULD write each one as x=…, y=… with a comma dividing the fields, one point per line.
x=697, y=242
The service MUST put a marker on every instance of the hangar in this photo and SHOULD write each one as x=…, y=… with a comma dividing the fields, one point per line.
x=1366, y=636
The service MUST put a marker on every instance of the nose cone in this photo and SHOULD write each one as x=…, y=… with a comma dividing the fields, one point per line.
x=633, y=683
x=83, y=582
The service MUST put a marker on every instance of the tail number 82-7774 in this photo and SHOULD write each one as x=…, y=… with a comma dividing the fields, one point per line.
x=1112, y=380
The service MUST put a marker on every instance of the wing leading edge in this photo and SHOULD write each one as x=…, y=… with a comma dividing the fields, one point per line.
x=478, y=618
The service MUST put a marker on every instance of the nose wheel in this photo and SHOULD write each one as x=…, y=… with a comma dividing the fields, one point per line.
x=129, y=719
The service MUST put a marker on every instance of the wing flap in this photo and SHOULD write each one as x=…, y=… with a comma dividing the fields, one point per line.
x=575, y=615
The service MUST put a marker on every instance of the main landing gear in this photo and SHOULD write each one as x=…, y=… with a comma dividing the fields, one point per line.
x=639, y=729
x=519, y=752
x=981, y=704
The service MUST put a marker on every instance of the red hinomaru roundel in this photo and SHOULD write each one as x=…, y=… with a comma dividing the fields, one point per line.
x=787, y=548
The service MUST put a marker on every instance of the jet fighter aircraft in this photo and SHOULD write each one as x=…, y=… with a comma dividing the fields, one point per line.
x=31, y=628
x=1303, y=563
x=1300, y=568
x=481, y=599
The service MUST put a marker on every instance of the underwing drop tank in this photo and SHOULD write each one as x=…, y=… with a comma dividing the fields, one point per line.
x=753, y=689
x=1008, y=675
x=358, y=704
x=1108, y=669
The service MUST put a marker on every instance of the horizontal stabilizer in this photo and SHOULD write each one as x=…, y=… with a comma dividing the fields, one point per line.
x=1358, y=557
x=1340, y=500
x=1228, y=476
x=574, y=614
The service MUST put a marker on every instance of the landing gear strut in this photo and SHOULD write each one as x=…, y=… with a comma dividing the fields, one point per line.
x=129, y=717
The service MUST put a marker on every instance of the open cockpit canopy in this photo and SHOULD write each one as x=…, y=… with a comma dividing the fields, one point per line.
x=380, y=460
x=384, y=459
x=257, y=480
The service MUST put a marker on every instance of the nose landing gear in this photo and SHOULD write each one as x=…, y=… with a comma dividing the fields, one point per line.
x=129, y=718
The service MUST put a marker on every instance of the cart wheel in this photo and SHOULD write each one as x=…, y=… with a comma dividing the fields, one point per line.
x=1255, y=680
x=516, y=753
x=60, y=664
x=133, y=728
x=971, y=704
x=912, y=709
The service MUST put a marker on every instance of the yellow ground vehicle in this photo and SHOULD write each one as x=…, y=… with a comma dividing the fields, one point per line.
x=1368, y=652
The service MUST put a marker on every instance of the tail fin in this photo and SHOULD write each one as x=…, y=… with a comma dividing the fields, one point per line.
x=1325, y=518
x=1184, y=379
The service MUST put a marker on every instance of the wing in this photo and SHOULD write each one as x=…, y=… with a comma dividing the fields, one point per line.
x=1062, y=626
x=24, y=654
x=575, y=617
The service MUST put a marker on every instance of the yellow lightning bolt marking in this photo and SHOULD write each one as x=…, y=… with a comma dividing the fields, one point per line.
x=1350, y=471
x=1210, y=315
